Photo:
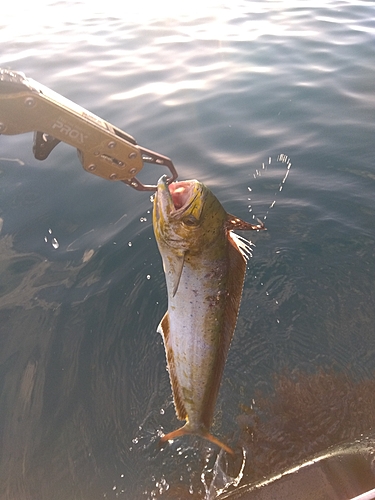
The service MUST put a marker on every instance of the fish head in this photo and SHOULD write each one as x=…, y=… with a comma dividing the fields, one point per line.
x=187, y=215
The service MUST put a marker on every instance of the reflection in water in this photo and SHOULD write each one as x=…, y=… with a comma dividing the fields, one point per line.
x=326, y=418
x=344, y=472
x=84, y=391
x=28, y=322
x=82, y=371
x=307, y=415
x=72, y=350
x=85, y=394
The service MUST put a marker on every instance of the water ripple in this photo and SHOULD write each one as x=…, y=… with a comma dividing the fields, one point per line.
x=221, y=90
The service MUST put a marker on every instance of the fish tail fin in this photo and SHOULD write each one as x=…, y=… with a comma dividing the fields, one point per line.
x=186, y=429
x=182, y=431
x=217, y=441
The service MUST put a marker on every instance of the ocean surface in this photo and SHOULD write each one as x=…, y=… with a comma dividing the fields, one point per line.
x=272, y=105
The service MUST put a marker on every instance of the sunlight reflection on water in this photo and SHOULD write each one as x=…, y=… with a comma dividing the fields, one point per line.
x=230, y=94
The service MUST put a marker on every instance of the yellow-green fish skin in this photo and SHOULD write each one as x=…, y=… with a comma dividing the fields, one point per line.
x=204, y=265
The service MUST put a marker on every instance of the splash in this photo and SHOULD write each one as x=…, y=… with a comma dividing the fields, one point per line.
x=220, y=476
x=281, y=158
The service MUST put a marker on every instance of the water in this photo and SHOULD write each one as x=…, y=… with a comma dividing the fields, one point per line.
x=222, y=91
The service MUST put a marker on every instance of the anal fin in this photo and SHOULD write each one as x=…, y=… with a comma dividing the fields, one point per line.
x=164, y=330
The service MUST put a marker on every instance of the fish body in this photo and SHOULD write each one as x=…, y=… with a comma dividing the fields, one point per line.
x=204, y=265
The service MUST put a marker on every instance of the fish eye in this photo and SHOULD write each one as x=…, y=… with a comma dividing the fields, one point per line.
x=190, y=221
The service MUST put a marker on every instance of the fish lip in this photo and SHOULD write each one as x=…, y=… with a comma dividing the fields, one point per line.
x=165, y=197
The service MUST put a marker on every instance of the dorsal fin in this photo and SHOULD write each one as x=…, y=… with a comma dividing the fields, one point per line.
x=164, y=329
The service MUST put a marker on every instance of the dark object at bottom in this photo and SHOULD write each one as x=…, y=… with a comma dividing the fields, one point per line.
x=344, y=474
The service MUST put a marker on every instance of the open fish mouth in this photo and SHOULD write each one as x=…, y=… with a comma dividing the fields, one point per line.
x=175, y=199
x=176, y=195
x=181, y=193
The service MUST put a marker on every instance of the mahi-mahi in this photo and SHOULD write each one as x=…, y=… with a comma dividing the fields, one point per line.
x=204, y=264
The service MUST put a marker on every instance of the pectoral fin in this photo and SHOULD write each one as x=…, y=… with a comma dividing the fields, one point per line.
x=178, y=271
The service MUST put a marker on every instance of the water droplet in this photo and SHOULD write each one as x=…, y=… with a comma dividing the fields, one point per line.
x=50, y=231
x=143, y=219
x=130, y=244
x=148, y=277
x=55, y=243
x=162, y=411
x=45, y=239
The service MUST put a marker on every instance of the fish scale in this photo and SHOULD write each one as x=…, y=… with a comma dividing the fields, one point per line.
x=204, y=264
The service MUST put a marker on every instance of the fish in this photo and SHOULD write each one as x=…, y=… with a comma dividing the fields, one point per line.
x=204, y=264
